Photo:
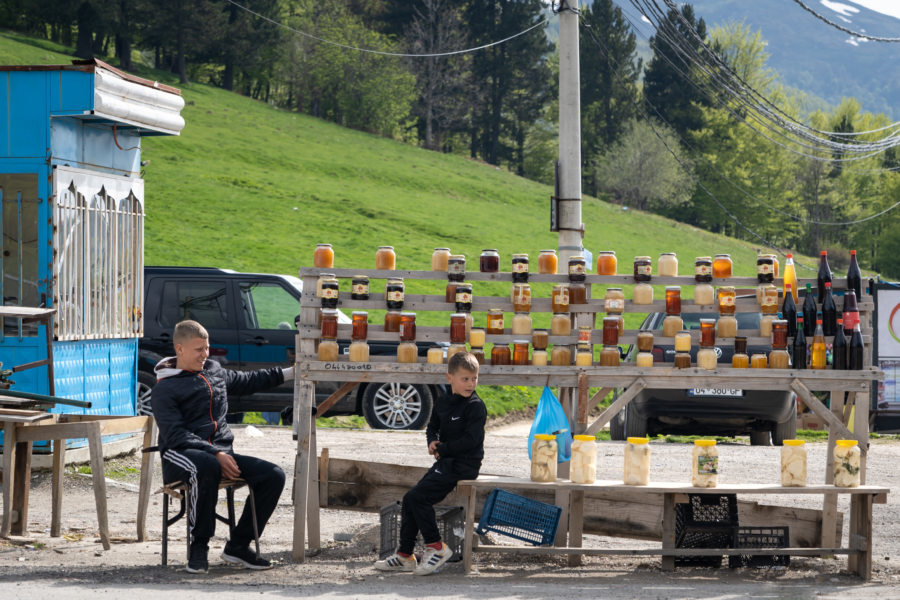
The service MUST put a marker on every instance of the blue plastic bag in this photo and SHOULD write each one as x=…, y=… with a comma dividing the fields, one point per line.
x=551, y=418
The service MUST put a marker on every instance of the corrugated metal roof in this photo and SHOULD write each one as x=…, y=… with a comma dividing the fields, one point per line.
x=90, y=66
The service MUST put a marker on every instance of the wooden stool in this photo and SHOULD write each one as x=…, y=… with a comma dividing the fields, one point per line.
x=180, y=490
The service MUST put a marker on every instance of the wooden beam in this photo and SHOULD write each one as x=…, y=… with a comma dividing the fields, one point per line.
x=583, y=408
x=335, y=397
x=613, y=409
x=833, y=422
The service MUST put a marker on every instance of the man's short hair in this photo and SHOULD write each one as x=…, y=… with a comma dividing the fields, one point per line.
x=188, y=330
x=462, y=360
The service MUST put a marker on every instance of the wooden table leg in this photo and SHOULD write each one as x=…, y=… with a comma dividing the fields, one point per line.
x=9, y=476
x=312, y=490
x=668, y=531
x=561, y=499
x=304, y=401
x=59, y=467
x=576, y=525
x=146, y=480
x=95, y=445
x=22, y=487
x=861, y=535
x=468, y=492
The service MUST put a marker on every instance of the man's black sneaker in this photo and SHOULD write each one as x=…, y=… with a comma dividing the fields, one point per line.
x=198, y=561
x=246, y=557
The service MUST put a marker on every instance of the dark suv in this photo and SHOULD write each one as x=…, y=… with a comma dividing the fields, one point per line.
x=761, y=414
x=251, y=322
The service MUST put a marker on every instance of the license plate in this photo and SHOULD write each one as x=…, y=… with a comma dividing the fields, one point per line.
x=720, y=392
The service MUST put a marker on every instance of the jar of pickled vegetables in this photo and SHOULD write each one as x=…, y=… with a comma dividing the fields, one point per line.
x=407, y=352
x=520, y=352
x=614, y=301
x=544, y=457
x=577, y=293
x=561, y=356
x=645, y=341
x=793, y=463
x=435, y=354
x=548, y=262
x=683, y=341
x=539, y=358
x=521, y=297
x=458, y=328
x=495, y=321
x=359, y=351
x=606, y=262
x=330, y=292
x=394, y=292
x=560, y=298
x=560, y=325
x=476, y=337
x=643, y=268
x=667, y=265
x=500, y=355
x=722, y=265
x=521, y=324
x=520, y=268
x=846, y=464
x=385, y=258
x=456, y=267
x=672, y=324
x=583, y=464
x=704, y=464
x=673, y=300
x=489, y=261
x=439, y=259
x=577, y=269
x=323, y=257
x=637, y=461
x=703, y=269
x=643, y=294
x=463, y=297
x=704, y=294
x=360, y=326
x=359, y=289
x=726, y=326
x=610, y=356
x=539, y=339
x=726, y=300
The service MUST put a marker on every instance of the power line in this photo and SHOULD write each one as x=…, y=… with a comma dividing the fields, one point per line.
x=384, y=53
x=839, y=27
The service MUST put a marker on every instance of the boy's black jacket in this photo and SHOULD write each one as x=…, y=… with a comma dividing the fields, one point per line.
x=458, y=425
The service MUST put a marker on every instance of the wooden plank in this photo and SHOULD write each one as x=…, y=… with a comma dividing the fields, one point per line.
x=576, y=525
x=666, y=552
x=323, y=479
x=303, y=420
x=469, y=541
x=561, y=499
x=9, y=477
x=56, y=495
x=335, y=397
x=21, y=486
x=613, y=409
x=146, y=482
x=813, y=403
x=668, y=531
x=95, y=444
x=861, y=429
x=583, y=404
x=312, y=501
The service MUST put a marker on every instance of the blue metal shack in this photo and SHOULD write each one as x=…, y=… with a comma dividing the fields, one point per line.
x=73, y=223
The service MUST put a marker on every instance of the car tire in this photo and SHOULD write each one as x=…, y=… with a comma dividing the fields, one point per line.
x=145, y=383
x=786, y=430
x=617, y=427
x=759, y=438
x=397, y=405
x=635, y=423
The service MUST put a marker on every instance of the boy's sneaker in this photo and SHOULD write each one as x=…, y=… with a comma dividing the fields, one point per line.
x=246, y=557
x=434, y=560
x=395, y=562
x=198, y=561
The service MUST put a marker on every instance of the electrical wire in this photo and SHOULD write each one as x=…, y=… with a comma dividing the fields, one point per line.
x=382, y=52
x=839, y=27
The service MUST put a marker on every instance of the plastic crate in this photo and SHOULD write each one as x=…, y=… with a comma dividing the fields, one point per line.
x=450, y=521
x=760, y=537
x=519, y=517
x=705, y=521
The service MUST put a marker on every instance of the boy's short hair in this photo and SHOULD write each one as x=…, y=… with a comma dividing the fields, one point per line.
x=462, y=360
x=188, y=330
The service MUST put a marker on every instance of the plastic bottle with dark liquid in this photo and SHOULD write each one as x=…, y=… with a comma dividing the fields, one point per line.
x=855, y=356
x=823, y=276
x=829, y=311
x=854, y=276
x=839, y=348
x=809, y=311
x=851, y=312
x=789, y=310
x=798, y=350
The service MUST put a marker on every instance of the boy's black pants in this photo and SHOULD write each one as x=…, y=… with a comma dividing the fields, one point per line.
x=417, y=510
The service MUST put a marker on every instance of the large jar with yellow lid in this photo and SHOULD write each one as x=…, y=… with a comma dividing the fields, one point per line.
x=637, y=461
x=793, y=463
x=583, y=465
x=704, y=464
x=543, y=457
x=846, y=464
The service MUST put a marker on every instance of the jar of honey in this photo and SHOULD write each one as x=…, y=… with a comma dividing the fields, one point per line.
x=500, y=355
x=645, y=341
x=495, y=321
x=476, y=337
x=643, y=268
x=577, y=269
x=560, y=325
x=584, y=357
x=722, y=265
x=610, y=356
x=407, y=352
x=561, y=356
x=758, y=361
x=478, y=353
x=407, y=327
x=450, y=292
x=456, y=267
x=577, y=293
x=329, y=324
x=328, y=351
x=392, y=321
x=394, y=292
x=683, y=341
x=707, y=359
x=323, y=257
x=322, y=277
x=672, y=324
x=520, y=352
x=539, y=339
x=643, y=359
x=726, y=326
x=360, y=326
x=610, y=331
x=330, y=292
x=667, y=264
x=769, y=300
x=673, y=300
x=704, y=294
x=359, y=289
x=439, y=259
x=458, y=328
x=435, y=354
x=560, y=298
x=539, y=358
x=740, y=360
x=607, y=264
x=682, y=360
x=726, y=300
x=359, y=351
x=521, y=297
x=548, y=262
x=385, y=259
x=707, y=333
x=765, y=325
x=521, y=324
x=489, y=261
x=643, y=294
x=463, y=297
x=703, y=272
x=779, y=359
x=520, y=268
x=765, y=268
x=455, y=348
x=584, y=334
x=614, y=301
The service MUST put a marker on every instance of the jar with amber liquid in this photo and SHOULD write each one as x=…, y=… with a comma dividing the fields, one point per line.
x=392, y=321
x=359, y=289
x=740, y=359
x=385, y=258
x=673, y=300
x=478, y=353
x=643, y=268
x=360, y=329
x=520, y=268
x=645, y=341
x=521, y=297
x=577, y=293
x=329, y=319
x=548, y=262
x=704, y=294
x=758, y=361
x=489, y=261
x=643, y=359
x=407, y=327
x=722, y=265
x=455, y=348
x=560, y=298
x=330, y=292
x=683, y=341
x=682, y=360
x=521, y=324
x=610, y=356
x=495, y=321
x=672, y=324
x=439, y=259
x=607, y=264
x=450, y=292
x=394, y=293
x=779, y=358
x=584, y=356
x=463, y=297
x=707, y=333
x=458, y=328
x=667, y=265
x=560, y=325
x=561, y=356
x=500, y=355
x=726, y=300
x=476, y=337
x=456, y=267
x=520, y=352
x=323, y=257
x=703, y=272
x=763, y=289
x=610, y=331
x=540, y=339
x=577, y=269
x=643, y=294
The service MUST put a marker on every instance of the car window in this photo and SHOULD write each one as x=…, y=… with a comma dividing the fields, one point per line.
x=202, y=301
x=692, y=320
x=267, y=305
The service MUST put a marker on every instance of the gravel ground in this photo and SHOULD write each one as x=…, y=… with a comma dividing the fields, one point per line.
x=76, y=566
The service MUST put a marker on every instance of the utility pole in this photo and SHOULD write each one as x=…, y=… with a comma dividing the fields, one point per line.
x=571, y=229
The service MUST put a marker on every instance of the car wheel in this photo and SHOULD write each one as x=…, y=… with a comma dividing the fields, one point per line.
x=635, y=423
x=617, y=427
x=397, y=405
x=145, y=383
x=759, y=438
x=786, y=430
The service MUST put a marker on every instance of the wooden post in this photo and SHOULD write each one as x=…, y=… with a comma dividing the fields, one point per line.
x=861, y=428
x=668, y=531
x=95, y=445
x=59, y=466
x=469, y=540
x=21, y=487
x=146, y=479
x=312, y=490
x=829, y=501
x=9, y=477
x=576, y=525
x=303, y=419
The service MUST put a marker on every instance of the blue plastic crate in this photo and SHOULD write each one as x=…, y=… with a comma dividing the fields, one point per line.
x=519, y=517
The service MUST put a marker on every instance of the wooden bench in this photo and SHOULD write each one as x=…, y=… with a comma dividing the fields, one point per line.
x=570, y=496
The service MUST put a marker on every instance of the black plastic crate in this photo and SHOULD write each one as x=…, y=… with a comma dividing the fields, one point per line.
x=451, y=523
x=719, y=509
x=519, y=517
x=705, y=521
x=760, y=537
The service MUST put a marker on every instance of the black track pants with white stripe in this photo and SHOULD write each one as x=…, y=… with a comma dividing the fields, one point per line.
x=203, y=471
